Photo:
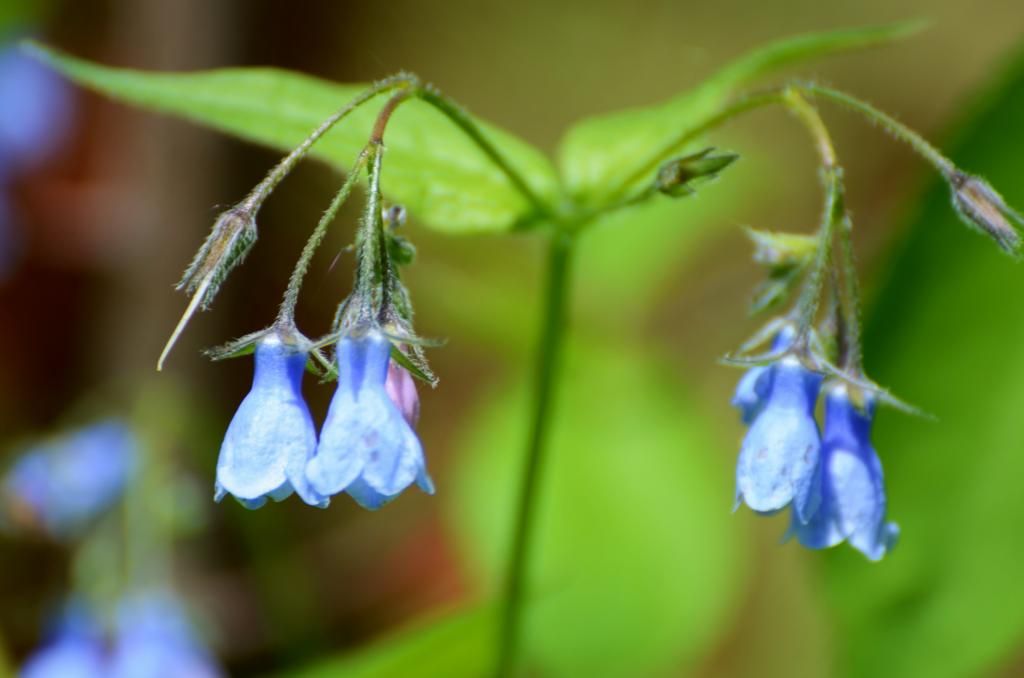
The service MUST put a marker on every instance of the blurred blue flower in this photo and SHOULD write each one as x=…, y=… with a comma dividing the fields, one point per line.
x=272, y=435
x=35, y=112
x=852, y=490
x=74, y=648
x=367, y=447
x=753, y=385
x=63, y=485
x=154, y=639
x=779, y=456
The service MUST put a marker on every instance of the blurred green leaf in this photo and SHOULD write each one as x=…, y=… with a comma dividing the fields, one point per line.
x=638, y=561
x=946, y=334
x=456, y=645
x=432, y=166
x=606, y=158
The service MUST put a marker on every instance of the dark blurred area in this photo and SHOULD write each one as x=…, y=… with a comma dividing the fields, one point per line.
x=109, y=220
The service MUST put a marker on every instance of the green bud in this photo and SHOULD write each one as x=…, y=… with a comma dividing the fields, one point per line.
x=681, y=177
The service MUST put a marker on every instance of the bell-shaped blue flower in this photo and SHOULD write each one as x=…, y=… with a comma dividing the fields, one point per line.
x=154, y=639
x=367, y=447
x=75, y=648
x=272, y=435
x=61, y=486
x=779, y=456
x=752, y=388
x=852, y=490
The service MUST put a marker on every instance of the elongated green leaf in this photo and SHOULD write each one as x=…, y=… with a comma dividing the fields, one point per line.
x=432, y=166
x=609, y=157
x=456, y=645
x=947, y=335
x=638, y=561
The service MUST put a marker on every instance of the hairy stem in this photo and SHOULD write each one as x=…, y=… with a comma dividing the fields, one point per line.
x=291, y=296
x=256, y=197
x=548, y=358
x=890, y=124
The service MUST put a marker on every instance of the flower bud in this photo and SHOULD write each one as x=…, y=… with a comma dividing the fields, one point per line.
x=233, y=235
x=681, y=177
x=980, y=206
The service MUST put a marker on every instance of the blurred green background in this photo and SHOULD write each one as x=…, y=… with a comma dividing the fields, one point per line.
x=641, y=568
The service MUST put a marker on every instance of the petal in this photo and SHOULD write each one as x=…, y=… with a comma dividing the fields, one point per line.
x=750, y=393
x=253, y=456
x=366, y=496
x=777, y=463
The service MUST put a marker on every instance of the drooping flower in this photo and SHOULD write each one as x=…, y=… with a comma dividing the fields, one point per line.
x=367, y=446
x=61, y=486
x=272, y=435
x=779, y=456
x=852, y=489
x=752, y=388
x=154, y=639
x=74, y=648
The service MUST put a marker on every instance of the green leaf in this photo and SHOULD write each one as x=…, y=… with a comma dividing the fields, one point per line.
x=947, y=335
x=613, y=156
x=638, y=561
x=454, y=645
x=432, y=167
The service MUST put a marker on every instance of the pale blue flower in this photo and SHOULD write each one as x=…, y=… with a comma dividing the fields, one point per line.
x=62, y=485
x=74, y=648
x=272, y=435
x=779, y=456
x=154, y=639
x=852, y=489
x=367, y=447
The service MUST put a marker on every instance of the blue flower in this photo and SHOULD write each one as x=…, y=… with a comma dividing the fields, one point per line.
x=35, y=109
x=367, y=448
x=753, y=385
x=852, y=490
x=74, y=649
x=63, y=485
x=155, y=640
x=779, y=456
x=272, y=435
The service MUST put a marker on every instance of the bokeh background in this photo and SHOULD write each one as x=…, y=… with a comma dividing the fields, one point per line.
x=642, y=570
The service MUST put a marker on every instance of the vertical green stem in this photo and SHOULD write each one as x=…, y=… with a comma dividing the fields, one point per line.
x=548, y=356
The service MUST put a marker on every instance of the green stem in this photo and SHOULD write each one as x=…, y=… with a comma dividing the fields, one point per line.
x=256, y=197
x=548, y=357
x=807, y=305
x=463, y=121
x=291, y=295
x=368, y=240
x=886, y=121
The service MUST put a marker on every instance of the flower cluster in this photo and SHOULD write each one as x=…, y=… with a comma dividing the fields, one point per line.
x=367, y=446
x=62, y=486
x=832, y=481
x=153, y=638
